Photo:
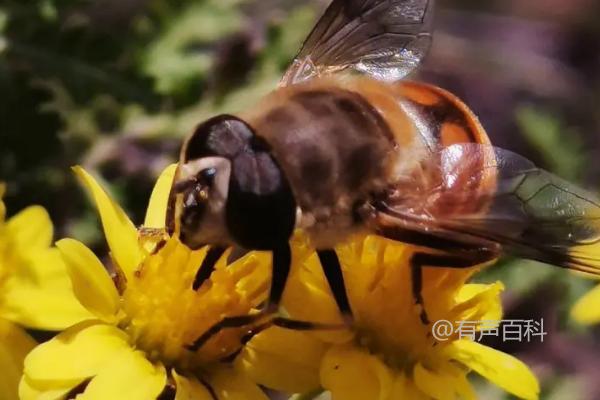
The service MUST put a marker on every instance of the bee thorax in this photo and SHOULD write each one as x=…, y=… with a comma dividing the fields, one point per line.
x=334, y=149
x=327, y=226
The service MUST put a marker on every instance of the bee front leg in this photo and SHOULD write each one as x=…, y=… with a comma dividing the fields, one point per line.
x=420, y=260
x=208, y=265
x=282, y=259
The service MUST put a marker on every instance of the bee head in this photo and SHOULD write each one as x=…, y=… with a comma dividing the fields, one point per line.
x=197, y=200
x=229, y=189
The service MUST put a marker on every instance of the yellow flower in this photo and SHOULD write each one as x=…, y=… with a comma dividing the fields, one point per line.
x=35, y=290
x=389, y=354
x=133, y=348
x=14, y=346
x=587, y=309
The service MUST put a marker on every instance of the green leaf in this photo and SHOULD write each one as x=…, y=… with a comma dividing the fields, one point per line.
x=285, y=39
x=181, y=54
x=561, y=147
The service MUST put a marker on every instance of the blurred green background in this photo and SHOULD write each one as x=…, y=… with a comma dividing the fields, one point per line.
x=114, y=85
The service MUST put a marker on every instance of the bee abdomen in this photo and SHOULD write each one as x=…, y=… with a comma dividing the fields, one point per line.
x=444, y=120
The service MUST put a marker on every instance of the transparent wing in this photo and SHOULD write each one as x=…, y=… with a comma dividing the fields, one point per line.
x=481, y=192
x=385, y=39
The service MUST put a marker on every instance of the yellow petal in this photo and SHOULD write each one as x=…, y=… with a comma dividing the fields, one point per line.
x=31, y=229
x=434, y=385
x=128, y=376
x=229, y=384
x=460, y=383
x=91, y=283
x=14, y=346
x=283, y=359
x=157, y=206
x=39, y=294
x=587, y=309
x=2, y=206
x=120, y=232
x=36, y=390
x=404, y=388
x=352, y=374
x=190, y=388
x=78, y=353
x=446, y=382
x=500, y=368
x=480, y=302
x=307, y=297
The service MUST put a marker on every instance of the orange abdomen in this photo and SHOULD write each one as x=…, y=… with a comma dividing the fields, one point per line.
x=450, y=121
x=447, y=121
x=420, y=113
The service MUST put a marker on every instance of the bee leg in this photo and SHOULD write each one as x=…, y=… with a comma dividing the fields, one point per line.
x=208, y=265
x=281, y=267
x=281, y=322
x=416, y=269
x=282, y=259
x=420, y=260
x=333, y=272
x=236, y=254
x=227, y=322
x=255, y=330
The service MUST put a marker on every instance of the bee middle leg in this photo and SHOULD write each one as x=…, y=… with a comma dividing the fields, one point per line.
x=281, y=322
x=333, y=272
x=421, y=259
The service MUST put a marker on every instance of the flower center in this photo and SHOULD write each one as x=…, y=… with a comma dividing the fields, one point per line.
x=164, y=314
x=388, y=319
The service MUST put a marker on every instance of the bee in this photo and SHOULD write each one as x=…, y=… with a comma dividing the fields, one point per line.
x=346, y=145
